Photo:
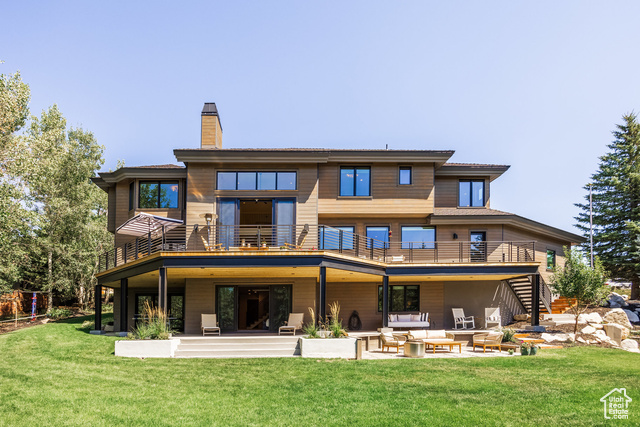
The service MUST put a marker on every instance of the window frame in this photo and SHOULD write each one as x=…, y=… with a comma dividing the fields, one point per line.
x=386, y=243
x=405, y=168
x=159, y=184
x=322, y=244
x=256, y=180
x=404, y=310
x=555, y=254
x=355, y=182
x=433, y=242
x=471, y=199
x=132, y=195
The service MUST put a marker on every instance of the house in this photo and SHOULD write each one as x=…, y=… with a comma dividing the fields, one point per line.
x=254, y=234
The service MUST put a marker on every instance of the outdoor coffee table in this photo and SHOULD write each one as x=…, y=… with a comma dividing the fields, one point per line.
x=434, y=343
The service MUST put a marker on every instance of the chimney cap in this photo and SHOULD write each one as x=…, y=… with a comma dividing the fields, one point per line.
x=210, y=109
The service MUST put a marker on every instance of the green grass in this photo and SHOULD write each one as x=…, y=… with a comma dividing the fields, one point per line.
x=59, y=374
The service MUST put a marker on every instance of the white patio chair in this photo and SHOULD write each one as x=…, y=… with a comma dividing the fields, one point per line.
x=492, y=315
x=294, y=322
x=209, y=324
x=461, y=319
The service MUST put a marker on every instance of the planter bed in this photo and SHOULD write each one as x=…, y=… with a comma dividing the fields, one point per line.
x=146, y=348
x=328, y=348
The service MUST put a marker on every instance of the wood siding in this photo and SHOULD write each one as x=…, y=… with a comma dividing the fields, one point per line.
x=388, y=198
x=198, y=299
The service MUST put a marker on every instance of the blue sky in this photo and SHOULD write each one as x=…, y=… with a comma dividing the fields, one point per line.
x=535, y=85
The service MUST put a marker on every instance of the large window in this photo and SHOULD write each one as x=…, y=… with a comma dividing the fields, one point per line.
x=257, y=180
x=380, y=236
x=132, y=187
x=471, y=193
x=401, y=298
x=551, y=259
x=404, y=175
x=355, y=181
x=418, y=237
x=336, y=238
x=158, y=195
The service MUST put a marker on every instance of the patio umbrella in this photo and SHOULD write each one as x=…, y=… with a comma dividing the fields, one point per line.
x=144, y=223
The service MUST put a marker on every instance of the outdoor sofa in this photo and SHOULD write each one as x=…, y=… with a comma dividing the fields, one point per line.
x=408, y=321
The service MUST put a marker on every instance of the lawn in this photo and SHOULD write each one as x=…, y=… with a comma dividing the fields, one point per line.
x=59, y=374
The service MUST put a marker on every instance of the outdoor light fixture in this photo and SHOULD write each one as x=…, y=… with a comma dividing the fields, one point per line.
x=455, y=236
x=208, y=217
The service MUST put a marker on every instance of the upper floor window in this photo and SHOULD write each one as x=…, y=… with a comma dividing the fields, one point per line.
x=551, y=259
x=404, y=175
x=418, y=237
x=158, y=195
x=355, y=181
x=471, y=193
x=257, y=180
x=380, y=236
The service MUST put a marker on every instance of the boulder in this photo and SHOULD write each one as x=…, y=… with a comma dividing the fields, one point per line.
x=581, y=340
x=616, y=332
x=558, y=337
x=591, y=318
x=616, y=300
x=520, y=317
x=598, y=326
x=630, y=345
x=617, y=315
x=588, y=330
x=633, y=317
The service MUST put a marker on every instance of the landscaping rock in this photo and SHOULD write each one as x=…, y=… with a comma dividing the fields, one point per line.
x=617, y=315
x=581, y=340
x=598, y=326
x=558, y=337
x=588, y=330
x=633, y=317
x=616, y=332
x=591, y=318
x=520, y=317
x=616, y=300
x=630, y=345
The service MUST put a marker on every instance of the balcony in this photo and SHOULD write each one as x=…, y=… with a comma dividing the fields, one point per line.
x=257, y=240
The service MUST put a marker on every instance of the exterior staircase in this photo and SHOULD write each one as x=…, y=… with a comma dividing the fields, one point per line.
x=238, y=346
x=560, y=305
x=521, y=287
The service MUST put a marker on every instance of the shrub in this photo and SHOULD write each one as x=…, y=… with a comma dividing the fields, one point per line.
x=508, y=335
x=59, y=313
x=153, y=325
x=311, y=328
x=335, y=325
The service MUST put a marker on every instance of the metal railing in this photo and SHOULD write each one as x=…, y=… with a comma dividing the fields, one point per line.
x=220, y=238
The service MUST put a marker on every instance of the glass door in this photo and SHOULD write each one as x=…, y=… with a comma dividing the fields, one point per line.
x=285, y=216
x=279, y=306
x=478, y=246
x=226, y=303
x=227, y=221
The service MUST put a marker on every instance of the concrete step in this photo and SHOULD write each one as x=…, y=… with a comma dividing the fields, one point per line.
x=235, y=353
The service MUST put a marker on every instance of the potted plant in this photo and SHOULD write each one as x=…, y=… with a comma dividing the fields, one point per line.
x=533, y=349
x=328, y=339
x=264, y=243
x=524, y=349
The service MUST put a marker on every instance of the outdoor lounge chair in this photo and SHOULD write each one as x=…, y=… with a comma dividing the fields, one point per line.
x=491, y=339
x=213, y=247
x=301, y=239
x=492, y=315
x=389, y=340
x=461, y=319
x=209, y=324
x=294, y=322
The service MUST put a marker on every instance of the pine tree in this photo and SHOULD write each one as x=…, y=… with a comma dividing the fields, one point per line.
x=616, y=205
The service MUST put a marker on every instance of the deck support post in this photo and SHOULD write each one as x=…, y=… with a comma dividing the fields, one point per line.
x=385, y=301
x=535, y=299
x=124, y=304
x=162, y=289
x=97, y=296
x=322, y=297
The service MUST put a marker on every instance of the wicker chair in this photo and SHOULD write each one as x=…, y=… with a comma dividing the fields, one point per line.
x=389, y=340
x=491, y=339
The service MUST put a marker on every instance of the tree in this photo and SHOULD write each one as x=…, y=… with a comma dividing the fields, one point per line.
x=15, y=215
x=578, y=281
x=616, y=205
x=71, y=210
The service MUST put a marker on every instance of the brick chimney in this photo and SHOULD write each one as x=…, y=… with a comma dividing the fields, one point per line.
x=211, y=136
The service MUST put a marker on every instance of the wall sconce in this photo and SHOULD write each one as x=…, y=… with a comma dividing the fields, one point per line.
x=455, y=236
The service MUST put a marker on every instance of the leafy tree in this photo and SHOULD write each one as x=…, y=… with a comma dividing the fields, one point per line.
x=616, y=205
x=15, y=216
x=577, y=280
x=71, y=210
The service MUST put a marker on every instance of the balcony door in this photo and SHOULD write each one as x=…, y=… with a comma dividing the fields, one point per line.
x=478, y=246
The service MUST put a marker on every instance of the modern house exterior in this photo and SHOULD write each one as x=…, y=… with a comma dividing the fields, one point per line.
x=255, y=234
